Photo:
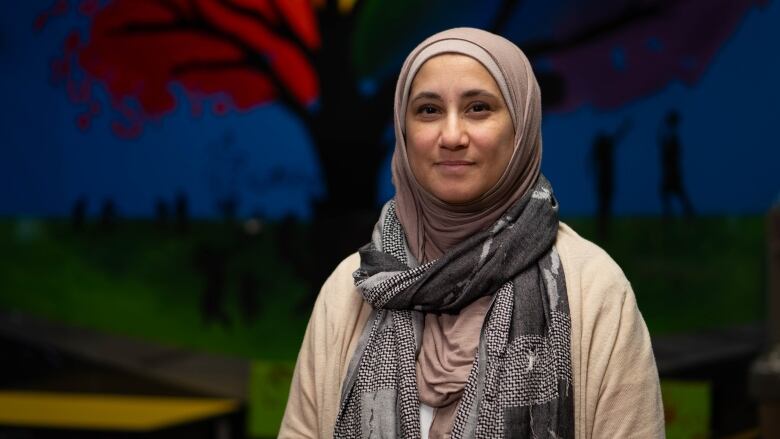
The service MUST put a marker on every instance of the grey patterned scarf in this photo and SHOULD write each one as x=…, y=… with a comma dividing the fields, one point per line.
x=520, y=385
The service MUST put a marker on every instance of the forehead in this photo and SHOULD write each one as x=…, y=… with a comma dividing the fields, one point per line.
x=452, y=69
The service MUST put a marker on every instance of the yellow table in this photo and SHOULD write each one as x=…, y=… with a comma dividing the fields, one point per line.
x=106, y=412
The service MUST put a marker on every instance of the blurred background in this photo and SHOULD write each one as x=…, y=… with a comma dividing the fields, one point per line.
x=178, y=177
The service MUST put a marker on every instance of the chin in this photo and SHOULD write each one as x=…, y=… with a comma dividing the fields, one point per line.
x=454, y=196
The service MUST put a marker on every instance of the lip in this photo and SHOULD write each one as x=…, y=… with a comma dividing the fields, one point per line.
x=454, y=163
x=454, y=168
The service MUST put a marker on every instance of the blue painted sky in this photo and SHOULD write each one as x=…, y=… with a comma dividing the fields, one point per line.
x=729, y=120
x=731, y=145
x=48, y=162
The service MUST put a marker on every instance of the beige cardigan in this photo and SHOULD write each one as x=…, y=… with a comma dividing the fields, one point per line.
x=616, y=388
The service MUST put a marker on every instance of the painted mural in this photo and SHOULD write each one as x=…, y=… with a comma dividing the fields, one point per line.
x=201, y=165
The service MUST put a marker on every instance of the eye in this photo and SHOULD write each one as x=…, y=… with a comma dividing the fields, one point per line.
x=479, y=107
x=426, y=109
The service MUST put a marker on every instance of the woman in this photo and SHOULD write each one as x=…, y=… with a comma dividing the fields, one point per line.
x=473, y=312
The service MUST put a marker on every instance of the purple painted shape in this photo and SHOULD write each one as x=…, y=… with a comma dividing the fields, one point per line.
x=676, y=44
x=586, y=14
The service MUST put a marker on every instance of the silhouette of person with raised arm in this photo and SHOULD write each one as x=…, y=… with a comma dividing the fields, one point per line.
x=603, y=157
x=671, y=172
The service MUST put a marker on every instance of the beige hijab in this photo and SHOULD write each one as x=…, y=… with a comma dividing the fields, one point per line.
x=432, y=226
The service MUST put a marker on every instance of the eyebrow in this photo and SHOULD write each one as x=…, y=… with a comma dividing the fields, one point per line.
x=477, y=92
x=466, y=94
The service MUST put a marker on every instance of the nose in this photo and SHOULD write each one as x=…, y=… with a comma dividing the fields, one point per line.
x=453, y=133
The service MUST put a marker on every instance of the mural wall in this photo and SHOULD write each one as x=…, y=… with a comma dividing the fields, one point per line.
x=243, y=100
x=201, y=165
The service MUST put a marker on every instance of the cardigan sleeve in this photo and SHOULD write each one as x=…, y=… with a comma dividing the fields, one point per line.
x=616, y=387
x=334, y=329
x=301, y=416
x=628, y=401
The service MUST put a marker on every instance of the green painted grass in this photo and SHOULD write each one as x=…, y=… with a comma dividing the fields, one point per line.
x=693, y=274
x=140, y=281
x=269, y=386
x=686, y=409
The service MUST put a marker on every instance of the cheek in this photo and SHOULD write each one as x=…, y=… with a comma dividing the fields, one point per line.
x=497, y=148
x=497, y=151
x=507, y=147
x=419, y=142
x=414, y=153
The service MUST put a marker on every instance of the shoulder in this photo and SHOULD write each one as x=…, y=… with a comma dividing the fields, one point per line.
x=339, y=305
x=341, y=277
x=597, y=289
x=338, y=291
x=588, y=267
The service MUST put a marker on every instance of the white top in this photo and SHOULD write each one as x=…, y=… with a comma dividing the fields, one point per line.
x=426, y=419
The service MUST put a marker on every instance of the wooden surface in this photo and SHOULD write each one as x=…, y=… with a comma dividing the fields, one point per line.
x=106, y=412
x=203, y=373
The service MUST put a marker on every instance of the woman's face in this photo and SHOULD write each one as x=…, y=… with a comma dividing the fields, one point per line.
x=459, y=135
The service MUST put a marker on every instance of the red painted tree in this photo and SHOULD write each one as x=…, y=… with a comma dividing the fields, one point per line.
x=251, y=52
x=246, y=52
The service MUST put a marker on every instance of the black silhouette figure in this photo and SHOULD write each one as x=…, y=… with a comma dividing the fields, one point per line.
x=182, y=212
x=248, y=292
x=603, y=156
x=161, y=213
x=228, y=207
x=79, y=214
x=671, y=173
x=211, y=264
x=287, y=240
x=108, y=215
